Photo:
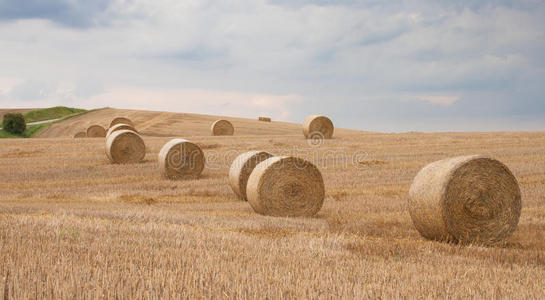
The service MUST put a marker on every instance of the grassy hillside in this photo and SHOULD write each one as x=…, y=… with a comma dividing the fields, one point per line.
x=37, y=115
x=51, y=113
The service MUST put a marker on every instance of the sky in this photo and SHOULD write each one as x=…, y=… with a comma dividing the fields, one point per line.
x=390, y=66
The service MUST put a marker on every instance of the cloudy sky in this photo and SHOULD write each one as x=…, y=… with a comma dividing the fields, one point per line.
x=400, y=65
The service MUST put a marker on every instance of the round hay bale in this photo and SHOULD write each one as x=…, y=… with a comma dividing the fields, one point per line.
x=181, y=159
x=287, y=187
x=264, y=119
x=96, y=131
x=117, y=127
x=222, y=127
x=125, y=147
x=121, y=120
x=469, y=199
x=318, y=126
x=80, y=134
x=242, y=167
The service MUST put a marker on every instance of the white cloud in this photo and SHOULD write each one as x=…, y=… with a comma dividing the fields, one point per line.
x=287, y=56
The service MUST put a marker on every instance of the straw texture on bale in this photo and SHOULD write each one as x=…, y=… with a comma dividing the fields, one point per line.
x=320, y=126
x=80, y=134
x=264, y=119
x=241, y=169
x=222, y=127
x=121, y=120
x=125, y=147
x=181, y=159
x=469, y=199
x=117, y=127
x=286, y=187
x=96, y=131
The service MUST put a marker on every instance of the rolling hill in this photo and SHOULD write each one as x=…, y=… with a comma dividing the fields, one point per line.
x=156, y=123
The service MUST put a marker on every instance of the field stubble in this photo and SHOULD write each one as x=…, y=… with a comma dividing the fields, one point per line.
x=74, y=226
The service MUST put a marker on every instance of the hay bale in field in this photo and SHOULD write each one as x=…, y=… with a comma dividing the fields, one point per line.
x=80, y=134
x=316, y=126
x=125, y=147
x=96, y=131
x=181, y=159
x=242, y=167
x=222, y=127
x=117, y=127
x=286, y=186
x=470, y=199
x=121, y=120
x=264, y=119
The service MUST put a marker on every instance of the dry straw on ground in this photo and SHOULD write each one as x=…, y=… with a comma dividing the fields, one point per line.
x=264, y=119
x=80, y=134
x=470, y=199
x=121, y=120
x=286, y=186
x=242, y=167
x=316, y=125
x=181, y=159
x=117, y=127
x=96, y=131
x=222, y=127
x=125, y=147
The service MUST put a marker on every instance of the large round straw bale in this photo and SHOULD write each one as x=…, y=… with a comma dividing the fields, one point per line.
x=470, y=199
x=117, y=127
x=181, y=159
x=125, y=147
x=96, y=131
x=286, y=186
x=222, y=127
x=318, y=126
x=121, y=120
x=80, y=134
x=264, y=119
x=241, y=169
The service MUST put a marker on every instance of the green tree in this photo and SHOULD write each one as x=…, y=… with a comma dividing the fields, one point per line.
x=14, y=123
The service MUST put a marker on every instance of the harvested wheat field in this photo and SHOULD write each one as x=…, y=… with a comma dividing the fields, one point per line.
x=72, y=225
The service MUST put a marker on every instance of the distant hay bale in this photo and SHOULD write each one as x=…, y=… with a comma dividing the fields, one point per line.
x=121, y=120
x=316, y=126
x=181, y=159
x=222, y=127
x=470, y=199
x=286, y=186
x=80, y=134
x=117, y=127
x=96, y=131
x=125, y=147
x=264, y=119
x=242, y=167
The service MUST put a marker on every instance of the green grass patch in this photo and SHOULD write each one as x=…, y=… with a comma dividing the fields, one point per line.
x=51, y=113
x=29, y=132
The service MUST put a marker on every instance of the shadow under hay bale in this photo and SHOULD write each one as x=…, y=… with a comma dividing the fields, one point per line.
x=469, y=199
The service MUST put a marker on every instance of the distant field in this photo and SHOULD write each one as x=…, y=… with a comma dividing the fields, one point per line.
x=74, y=226
x=156, y=123
x=13, y=110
